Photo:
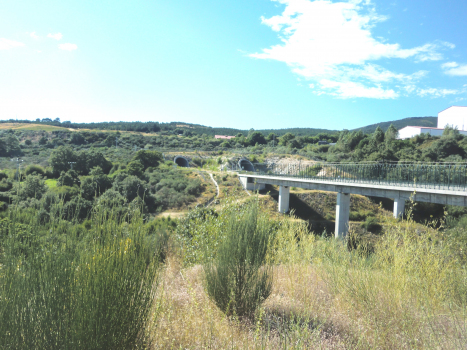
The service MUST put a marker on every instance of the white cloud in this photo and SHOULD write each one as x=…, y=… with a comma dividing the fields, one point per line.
x=353, y=90
x=332, y=41
x=6, y=44
x=34, y=35
x=56, y=36
x=449, y=65
x=453, y=68
x=434, y=92
x=67, y=47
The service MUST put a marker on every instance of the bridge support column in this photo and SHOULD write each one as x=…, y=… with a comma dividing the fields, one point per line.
x=342, y=214
x=399, y=208
x=284, y=195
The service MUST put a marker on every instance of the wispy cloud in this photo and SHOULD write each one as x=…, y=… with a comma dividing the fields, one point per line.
x=34, y=35
x=6, y=44
x=67, y=47
x=56, y=36
x=434, y=92
x=350, y=89
x=455, y=69
x=331, y=43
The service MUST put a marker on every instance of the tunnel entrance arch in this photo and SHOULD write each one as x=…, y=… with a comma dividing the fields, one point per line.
x=182, y=161
x=246, y=165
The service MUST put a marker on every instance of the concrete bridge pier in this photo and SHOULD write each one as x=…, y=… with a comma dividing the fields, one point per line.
x=399, y=208
x=284, y=197
x=342, y=214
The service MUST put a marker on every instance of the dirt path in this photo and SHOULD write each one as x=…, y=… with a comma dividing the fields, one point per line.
x=217, y=190
x=215, y=183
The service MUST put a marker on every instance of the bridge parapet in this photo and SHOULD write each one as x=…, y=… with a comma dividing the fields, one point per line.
x=448, y=176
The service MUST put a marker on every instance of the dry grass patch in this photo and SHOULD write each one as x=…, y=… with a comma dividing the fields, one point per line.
x=293, y=317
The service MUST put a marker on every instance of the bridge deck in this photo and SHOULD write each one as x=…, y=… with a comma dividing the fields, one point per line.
x=435, y=183
x=434, y=195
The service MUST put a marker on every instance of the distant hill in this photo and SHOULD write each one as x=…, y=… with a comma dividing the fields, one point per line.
x=196, y=129
x=431, y=122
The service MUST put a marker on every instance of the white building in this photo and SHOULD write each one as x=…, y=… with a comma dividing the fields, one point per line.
x=454, y=116
x=411, y=131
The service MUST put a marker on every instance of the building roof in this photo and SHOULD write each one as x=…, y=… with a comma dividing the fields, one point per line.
x=422, y=127
x=223, y=137
x=451, y=107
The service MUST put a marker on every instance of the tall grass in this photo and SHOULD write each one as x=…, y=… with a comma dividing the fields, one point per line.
x=63, y=286
x=408, y=292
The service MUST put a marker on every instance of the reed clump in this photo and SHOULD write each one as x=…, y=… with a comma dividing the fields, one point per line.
x=72, y=286
x=238, y=280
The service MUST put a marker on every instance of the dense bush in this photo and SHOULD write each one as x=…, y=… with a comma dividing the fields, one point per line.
x=88, y=289
x=35, y=169
x=238, y=280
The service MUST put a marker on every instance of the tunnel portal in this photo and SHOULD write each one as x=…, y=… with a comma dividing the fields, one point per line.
x=182, y=161
x=246, y=165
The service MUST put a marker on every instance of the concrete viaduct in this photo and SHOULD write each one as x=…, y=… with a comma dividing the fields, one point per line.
x=446, y=196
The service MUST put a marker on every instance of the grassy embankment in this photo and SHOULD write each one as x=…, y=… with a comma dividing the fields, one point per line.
x=408, y=292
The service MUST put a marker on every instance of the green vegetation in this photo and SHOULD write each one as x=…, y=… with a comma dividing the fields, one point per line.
x=89, y=257
x=69, y=286
x=407, y=292
x=236, y=280
x=90, y=283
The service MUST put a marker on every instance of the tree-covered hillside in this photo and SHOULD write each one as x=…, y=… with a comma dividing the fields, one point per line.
x=188, y=129
x=431, y=122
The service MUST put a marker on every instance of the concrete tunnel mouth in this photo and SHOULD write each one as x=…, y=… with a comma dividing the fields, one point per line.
x=181, y=161
x=246, y=165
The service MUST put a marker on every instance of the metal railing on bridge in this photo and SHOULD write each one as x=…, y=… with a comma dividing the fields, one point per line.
x=445, y=176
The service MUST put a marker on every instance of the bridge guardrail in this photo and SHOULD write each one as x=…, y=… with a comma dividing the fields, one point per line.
x=447, y=176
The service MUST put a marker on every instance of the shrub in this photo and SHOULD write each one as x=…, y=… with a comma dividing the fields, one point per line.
x=68, y=178
x=236, y=280
x=371, y=224
x=90, y=292
x=33, y=187
x=359, y=215
x=5, y=185
x=35, y=169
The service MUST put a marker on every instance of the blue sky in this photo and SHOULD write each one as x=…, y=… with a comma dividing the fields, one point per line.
x=243, y=63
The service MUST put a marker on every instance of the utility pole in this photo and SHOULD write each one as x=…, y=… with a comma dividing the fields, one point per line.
x=18, y=162
x=71, y=164
x=116, y=142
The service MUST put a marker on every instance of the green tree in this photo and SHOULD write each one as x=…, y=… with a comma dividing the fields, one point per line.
x=378, y=135
x=69, y=178
x=33, y=187
x=391, y=133
x=148, y=158
x=77, y=139
x=256, y=138
x=285, y=139
x=60, y=159
x=43, y=141
x=135, y=168
x=449, y=131
x=86, y=160
x=130, y=187
x=9, y=146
